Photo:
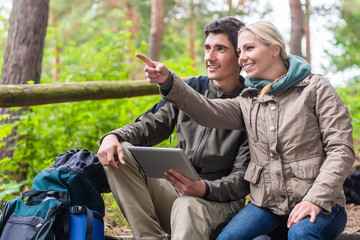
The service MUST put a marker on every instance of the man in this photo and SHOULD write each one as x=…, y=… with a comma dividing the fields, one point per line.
x=176, y=205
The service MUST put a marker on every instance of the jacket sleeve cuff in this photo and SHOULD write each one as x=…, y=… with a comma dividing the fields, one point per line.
x=207, y=192
x=120, y=138
x=321, y=198
x=167, y=85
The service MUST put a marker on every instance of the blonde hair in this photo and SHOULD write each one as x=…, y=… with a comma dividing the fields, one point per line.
x=268, y=34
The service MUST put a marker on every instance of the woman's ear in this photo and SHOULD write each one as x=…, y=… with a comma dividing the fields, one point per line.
x=275, y=49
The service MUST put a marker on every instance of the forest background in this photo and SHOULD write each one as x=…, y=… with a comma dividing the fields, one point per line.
x=96, y=40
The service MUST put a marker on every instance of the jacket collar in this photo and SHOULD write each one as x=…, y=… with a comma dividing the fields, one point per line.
x=215, y=92
x=255, y=91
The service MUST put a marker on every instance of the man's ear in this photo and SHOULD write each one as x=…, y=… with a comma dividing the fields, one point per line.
x=275, y=49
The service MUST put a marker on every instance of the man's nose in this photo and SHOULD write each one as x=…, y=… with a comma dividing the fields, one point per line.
x=210, y=55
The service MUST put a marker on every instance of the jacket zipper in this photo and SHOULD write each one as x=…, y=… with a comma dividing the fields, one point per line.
x=37, y=226
x=201, y=145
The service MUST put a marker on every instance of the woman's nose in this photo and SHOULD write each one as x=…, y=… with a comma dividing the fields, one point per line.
x=242, y=58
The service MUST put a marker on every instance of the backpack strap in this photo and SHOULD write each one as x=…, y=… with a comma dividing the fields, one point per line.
x=36, y=197
x=89, y=216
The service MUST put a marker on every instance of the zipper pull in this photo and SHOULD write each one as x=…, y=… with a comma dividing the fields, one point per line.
x=39, y=225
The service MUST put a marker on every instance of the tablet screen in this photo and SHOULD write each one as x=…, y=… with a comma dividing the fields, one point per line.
x=155, y=161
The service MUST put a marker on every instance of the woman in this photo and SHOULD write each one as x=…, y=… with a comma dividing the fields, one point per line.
x=300, y=136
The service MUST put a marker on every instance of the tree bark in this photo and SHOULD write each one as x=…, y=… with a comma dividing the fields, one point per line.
x=25, y=44
x=307, y=31
x=57, y=50
x=230, y=4
x=192, y=34
x=38, y=94
x=156, y=29
x=297, y=27
x=23, y=53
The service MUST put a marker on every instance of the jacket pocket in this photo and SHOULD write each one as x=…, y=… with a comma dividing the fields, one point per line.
x=258, y=191
x=303, y=175
x=253, y=173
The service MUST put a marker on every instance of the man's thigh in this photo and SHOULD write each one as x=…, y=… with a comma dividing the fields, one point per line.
x=197, y=218
x=163, y=195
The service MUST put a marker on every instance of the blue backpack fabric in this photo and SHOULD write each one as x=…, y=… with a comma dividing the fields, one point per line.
x=62, y=204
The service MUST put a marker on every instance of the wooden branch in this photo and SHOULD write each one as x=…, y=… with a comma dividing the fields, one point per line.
x=38, y=94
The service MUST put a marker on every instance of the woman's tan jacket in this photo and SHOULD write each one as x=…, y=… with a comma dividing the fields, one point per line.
x=300, y=140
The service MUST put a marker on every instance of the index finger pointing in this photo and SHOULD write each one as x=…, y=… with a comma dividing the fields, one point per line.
x=146, y=60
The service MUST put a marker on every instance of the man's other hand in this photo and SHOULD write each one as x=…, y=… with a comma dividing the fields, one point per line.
x=110, y=152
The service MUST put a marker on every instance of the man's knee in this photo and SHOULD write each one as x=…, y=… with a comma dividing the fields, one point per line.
x=109, y=172
x=187, y=205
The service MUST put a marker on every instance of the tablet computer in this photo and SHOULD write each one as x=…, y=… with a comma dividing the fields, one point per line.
x=155, y=161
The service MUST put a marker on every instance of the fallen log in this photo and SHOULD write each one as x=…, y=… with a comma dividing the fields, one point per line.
x=38, y=94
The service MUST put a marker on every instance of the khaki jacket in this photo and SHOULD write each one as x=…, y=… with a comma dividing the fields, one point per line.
x=300, y=140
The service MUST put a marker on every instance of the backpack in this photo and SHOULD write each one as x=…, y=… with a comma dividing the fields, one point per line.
x=352, y=188
x=64, y=202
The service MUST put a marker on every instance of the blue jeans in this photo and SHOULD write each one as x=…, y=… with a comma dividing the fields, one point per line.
x=253, y=221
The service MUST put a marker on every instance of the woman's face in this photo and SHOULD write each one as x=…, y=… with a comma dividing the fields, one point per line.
x=255, y=57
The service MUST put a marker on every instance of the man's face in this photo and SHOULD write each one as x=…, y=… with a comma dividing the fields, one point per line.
x=220, y=59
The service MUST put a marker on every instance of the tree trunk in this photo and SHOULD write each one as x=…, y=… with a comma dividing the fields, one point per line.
x=37, y=94
x=307, y=31
x=192, y=33
x=132, y=16
x=57, y=49
x=24, y=52
x=156, y=29
x=230, y=4
x=297, y=27
x=241, y=3
x=25, y=44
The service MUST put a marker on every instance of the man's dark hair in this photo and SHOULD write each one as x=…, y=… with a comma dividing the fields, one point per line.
x=228, y=26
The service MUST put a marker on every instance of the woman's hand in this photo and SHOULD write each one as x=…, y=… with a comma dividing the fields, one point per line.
x=155, y=72
x=302, y=210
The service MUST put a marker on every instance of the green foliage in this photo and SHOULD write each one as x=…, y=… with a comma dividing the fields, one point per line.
x=351, y=96
x=4, y=25
x=11, y=189
x=5, y=129
x=107, y=56
x=347, y=37
x=43, y=132
x=47, y=131
x=112, y=211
